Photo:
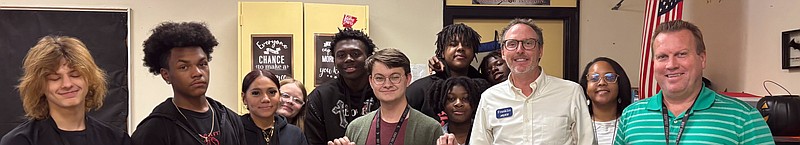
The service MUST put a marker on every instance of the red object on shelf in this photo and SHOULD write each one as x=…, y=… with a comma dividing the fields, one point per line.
x=348, y=21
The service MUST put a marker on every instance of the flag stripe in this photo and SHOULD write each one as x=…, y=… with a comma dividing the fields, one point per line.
x=647, y=82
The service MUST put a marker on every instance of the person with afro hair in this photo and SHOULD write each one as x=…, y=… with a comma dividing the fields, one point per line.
x=180, y=52
x=333, y=105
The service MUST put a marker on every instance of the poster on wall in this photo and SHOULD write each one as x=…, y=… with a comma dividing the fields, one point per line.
x=273, y=52
x=791, y=49
x=511, y=2
x=324, y=68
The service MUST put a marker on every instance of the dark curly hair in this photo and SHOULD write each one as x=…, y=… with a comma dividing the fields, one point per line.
x=465, y=34
x=349, y=33
x=440, y=89
x=623, y=82
x=169, y=35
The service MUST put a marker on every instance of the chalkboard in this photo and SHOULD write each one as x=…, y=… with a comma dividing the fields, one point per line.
x=324, y=67
x=273, y=52
x=105, y=33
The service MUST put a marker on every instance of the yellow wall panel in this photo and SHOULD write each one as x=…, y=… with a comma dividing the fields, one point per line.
x=327, y=19
x=302, y=21
x=268, y=18
x=553, y=54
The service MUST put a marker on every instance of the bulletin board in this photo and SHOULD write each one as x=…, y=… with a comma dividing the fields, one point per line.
x=104, y=31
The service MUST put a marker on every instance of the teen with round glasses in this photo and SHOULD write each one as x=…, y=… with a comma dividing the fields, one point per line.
x=293, y=98
x=608, y=91
x=395, y=122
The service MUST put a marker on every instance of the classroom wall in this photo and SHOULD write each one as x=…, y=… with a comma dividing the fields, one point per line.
x=615, y=34
x=723, y=25
x=764, y=21
x=743, y=41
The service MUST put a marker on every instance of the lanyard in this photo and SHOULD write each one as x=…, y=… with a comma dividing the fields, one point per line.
x=396, y=129
x=683, y=121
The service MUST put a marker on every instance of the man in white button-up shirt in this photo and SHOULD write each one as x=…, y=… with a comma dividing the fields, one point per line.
x=530, y=107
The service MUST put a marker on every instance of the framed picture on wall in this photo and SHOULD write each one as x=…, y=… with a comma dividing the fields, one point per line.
x=273, y=52
x=324, y=68
x=790, y=42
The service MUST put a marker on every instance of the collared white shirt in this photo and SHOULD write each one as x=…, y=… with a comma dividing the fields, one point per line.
x=555, y=113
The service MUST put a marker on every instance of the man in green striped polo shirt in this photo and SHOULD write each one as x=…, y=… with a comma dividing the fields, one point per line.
x=685, y=111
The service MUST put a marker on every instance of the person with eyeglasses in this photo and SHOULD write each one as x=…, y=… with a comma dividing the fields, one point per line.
x=685, y=111
x=293, y=96
x=395, y=122
x=530, y=107
x=608, y=91
x=262, y=97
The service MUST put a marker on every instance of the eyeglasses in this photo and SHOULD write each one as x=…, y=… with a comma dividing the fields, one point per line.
x=513, y=44
x=380, y=79
x=609, y=77
x=294, y=99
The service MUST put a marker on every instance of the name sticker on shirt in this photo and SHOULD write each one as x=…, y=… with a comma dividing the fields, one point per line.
x=504, y=112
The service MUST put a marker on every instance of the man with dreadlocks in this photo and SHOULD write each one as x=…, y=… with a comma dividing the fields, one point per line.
x=455, y=46
x=334, y=104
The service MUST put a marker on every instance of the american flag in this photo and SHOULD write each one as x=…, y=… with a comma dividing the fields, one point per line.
x=657, y=11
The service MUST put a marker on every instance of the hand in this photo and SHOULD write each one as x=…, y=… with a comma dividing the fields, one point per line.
x=434, y=65
x=446, y=139
x=341, y=141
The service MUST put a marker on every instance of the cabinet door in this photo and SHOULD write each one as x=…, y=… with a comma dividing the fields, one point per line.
x=262, y=22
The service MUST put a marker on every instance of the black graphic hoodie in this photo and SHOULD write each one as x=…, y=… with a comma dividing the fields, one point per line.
x=166, y=126
x=331, y=108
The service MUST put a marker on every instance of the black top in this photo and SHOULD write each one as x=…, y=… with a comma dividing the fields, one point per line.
x=74, y=137
x=200, y=123
x=417, y=93
x=45, y=132
x=166, y=126
x=284, y=133
x=331, y=107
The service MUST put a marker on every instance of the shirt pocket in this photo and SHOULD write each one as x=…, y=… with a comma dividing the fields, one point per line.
x=552, y=130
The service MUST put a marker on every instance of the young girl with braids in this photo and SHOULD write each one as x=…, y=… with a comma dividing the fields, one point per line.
x=458, y=97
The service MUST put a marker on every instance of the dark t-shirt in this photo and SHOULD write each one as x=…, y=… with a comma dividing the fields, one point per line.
x=201, y=124
x=387, y=129
x=74, y=137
